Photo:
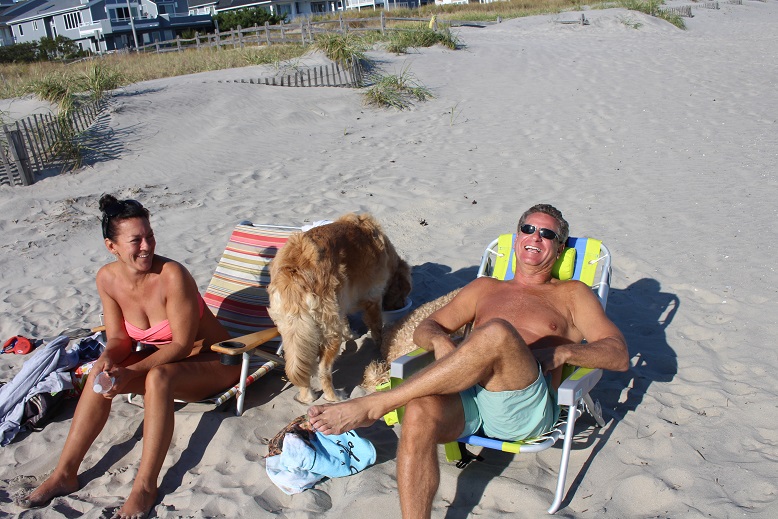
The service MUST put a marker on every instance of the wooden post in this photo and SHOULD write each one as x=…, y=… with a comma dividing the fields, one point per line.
x=302, y=30
x=309, y=77
x=383, y=22
x=315, y=78
x=267, y=32
x=19, y=155
x=336, y=66
x=7, y=166
x=310, y=34
x=41, y=127
x=156, y=44
x=197, y=40
x=33, y=145
x=218, y=40
x=283, y=32
x=178, y=43
x=340, y=18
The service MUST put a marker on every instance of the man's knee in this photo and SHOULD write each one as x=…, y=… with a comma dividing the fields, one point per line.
x=431, y=419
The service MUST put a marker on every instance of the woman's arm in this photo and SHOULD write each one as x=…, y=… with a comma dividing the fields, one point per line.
x=118, y=344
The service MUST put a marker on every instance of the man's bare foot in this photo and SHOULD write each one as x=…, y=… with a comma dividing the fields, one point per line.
x=342, y=417
x=138, y=505
x=54, y=486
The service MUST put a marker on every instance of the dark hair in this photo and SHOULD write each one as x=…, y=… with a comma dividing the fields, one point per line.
x=117, y=210
x=553, y=212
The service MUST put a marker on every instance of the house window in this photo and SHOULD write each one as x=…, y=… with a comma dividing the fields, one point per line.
x=21, y=30
x=35, y=25
x=72, y=20
x=121, y=13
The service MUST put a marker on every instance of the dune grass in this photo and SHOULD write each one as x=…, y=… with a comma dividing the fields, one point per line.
x=396, y=91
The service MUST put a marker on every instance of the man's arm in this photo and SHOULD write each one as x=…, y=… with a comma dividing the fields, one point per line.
x=605, y=347
x=434, y=333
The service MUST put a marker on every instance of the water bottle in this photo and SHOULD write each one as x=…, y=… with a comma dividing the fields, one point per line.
x=103, y=383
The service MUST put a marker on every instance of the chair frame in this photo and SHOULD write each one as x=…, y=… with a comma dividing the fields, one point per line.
x=573, y=393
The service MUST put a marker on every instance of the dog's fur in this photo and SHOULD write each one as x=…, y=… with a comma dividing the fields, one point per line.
x=398, y=340
x=319, y=277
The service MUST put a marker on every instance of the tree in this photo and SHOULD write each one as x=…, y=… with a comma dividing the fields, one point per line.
x=60, y=47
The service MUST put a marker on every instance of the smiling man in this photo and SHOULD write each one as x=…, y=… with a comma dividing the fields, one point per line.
x=501, y=381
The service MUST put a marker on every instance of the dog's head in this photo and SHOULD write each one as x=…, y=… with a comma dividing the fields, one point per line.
x=398, y=287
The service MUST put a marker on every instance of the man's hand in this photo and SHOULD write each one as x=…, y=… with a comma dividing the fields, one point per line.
x=551, y=358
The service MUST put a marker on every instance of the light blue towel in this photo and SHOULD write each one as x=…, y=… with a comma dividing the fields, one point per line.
x=300, y=465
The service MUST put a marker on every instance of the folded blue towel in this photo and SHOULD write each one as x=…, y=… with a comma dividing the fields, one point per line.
x=300, y=465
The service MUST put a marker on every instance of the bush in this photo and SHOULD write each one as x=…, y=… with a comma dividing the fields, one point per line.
x=20, y=53
x=229, y=20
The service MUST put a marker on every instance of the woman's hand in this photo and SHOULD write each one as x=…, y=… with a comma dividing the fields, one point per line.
x=121, y=377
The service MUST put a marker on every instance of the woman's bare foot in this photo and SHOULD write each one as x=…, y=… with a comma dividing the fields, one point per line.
x=345, y=416
x=54, y=486
x=138, y=505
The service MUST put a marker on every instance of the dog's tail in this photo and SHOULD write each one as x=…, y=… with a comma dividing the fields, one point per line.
x=301, y=334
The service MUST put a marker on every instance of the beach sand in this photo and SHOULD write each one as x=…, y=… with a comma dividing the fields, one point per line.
x=661, y=142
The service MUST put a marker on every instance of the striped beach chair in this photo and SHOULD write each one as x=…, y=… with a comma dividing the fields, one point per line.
x=237, y=296
x=585, y=259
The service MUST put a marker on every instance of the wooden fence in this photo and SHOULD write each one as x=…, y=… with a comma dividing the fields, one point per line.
x=351, y=74
x=302, y=32
x=39, y=142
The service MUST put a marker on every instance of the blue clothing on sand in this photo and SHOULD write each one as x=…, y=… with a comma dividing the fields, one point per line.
x=301, y=465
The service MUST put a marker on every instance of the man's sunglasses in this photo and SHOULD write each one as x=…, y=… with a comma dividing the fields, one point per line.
x=544, y=233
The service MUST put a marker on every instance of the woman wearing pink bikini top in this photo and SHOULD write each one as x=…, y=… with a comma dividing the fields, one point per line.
x=154, y=300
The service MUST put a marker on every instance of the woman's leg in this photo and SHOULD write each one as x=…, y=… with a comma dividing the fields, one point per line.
x=89, y=419
x=191, y=379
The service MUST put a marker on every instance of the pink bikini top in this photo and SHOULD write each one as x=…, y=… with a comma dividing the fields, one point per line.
x=158, y=334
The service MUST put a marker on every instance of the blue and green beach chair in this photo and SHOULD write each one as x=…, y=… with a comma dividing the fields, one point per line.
x=585, y=259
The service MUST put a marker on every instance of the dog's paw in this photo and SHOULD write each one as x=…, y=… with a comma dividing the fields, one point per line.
x=305, y=397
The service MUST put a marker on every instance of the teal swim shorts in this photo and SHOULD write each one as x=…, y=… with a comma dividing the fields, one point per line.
x=510, y=415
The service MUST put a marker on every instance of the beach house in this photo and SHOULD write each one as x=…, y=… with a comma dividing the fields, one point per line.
x=104, y=25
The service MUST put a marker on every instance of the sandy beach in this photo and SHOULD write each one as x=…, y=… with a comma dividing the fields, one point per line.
x=661, y=142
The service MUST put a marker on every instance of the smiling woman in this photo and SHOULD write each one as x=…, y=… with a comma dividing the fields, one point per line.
x=154, y=300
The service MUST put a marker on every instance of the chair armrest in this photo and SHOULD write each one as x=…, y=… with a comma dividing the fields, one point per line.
x=577, y=385
x=410, y=363
x=245, y=343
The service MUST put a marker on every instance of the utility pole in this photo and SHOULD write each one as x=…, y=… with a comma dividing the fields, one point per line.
x=132, y=26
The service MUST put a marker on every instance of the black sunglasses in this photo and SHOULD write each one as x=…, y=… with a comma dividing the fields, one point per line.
x=544, y=233
x=117, y=207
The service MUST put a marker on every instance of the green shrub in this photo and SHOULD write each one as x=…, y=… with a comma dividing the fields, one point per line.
x=229, y=20
x=20, y=53
x=341, y=47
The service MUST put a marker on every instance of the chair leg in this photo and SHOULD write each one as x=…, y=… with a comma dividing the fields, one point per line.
x=244, y=373
x=566, y=447
x=594, y=409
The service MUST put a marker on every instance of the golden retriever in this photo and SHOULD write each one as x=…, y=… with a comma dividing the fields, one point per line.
x=319, y=277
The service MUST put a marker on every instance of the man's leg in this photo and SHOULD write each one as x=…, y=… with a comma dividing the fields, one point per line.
x=494, y=355
x=428, y=421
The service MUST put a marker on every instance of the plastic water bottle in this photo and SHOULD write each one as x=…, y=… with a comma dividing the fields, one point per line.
x=103, y=383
